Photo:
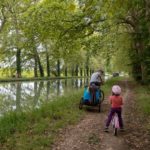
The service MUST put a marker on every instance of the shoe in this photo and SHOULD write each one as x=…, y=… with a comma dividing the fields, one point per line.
x=106, y=129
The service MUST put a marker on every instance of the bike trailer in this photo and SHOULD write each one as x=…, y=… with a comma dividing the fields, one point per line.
x=88, y=96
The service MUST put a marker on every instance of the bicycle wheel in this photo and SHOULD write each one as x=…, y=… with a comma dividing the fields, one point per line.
x=115, y=124
x=102, y=95
x=115, y=131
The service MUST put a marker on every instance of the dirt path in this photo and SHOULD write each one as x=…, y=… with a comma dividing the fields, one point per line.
x=89, y=135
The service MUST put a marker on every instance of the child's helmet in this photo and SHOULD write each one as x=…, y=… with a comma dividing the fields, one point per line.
x=116, y=89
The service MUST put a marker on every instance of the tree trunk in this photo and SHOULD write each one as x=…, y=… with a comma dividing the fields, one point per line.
x=90, y=72
x=81, y=72
x=18, y=63
x=58, y=68
x=18, y=53
x=35, y=67
x=47, y=62
x=72, y=71
x=87, y=71
x=3, y=18
x=66, y=71
x=40, y=66
x=37, y=58
x=140, y=38
x=48, y=65
x=84, y=72
x=77, y=70
x=142, y=65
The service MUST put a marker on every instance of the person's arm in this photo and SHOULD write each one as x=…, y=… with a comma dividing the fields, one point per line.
x=101, y=80
x=110, y=100
x=121, y=101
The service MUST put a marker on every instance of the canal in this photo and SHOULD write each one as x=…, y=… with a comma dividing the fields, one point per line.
x=25, y=96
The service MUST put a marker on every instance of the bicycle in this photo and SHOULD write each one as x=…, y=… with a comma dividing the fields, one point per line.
x=94, y=102
x=115, y=124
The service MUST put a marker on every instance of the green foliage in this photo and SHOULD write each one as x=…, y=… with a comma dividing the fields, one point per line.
x=136, y=16
x=143, y=101
x=83, y=31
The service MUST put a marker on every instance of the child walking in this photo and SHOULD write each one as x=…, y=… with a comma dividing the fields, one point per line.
x=116, y=102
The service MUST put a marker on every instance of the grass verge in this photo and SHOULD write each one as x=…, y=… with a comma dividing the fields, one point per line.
x=143, y=99
x=37, y=129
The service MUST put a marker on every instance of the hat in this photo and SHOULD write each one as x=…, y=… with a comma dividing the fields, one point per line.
x=116, y=89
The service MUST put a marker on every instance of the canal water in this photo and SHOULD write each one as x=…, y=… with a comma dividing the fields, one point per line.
x=24, y=96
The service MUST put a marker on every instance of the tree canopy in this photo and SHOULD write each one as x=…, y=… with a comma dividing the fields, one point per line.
x=39, y=34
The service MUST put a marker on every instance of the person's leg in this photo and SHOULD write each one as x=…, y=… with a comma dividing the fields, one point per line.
x=111, y=113
x=91, y=89
x=119, y=112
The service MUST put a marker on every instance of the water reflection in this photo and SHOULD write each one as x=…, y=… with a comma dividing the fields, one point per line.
x=23, y=96
x=18, y=96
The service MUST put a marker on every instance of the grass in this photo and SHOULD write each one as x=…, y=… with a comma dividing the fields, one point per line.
x=39, y=128
x=143, y=99
x=110, y=83
x=36, y=78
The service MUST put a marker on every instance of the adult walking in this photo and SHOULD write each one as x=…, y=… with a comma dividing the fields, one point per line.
x=96, y=77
